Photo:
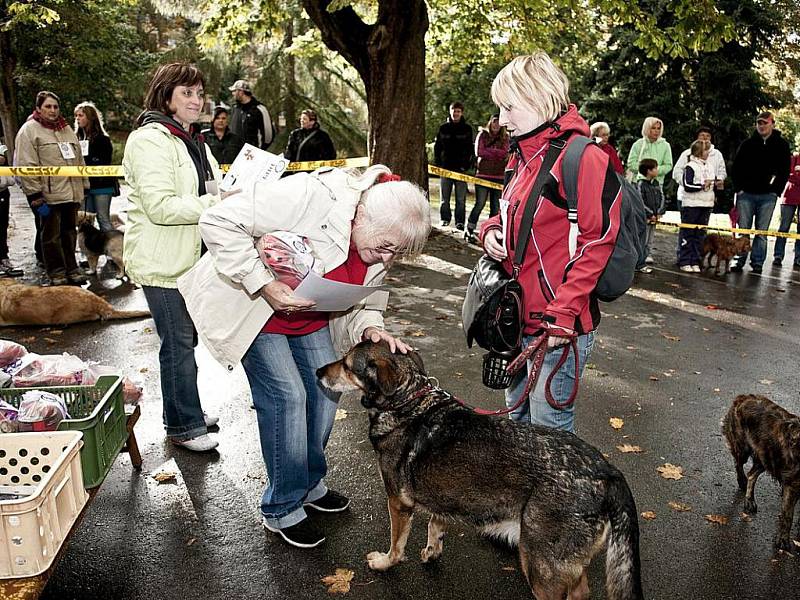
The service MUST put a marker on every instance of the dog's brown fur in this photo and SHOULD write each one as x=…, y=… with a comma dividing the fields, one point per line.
x=95, y=243
x=724, y=248
x=22, y=304
x=757, y=428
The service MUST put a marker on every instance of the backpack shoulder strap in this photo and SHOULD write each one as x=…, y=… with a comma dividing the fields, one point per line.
x=570, y=166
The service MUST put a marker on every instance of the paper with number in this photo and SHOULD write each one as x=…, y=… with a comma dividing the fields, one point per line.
x=252, y=165
x=333, y=295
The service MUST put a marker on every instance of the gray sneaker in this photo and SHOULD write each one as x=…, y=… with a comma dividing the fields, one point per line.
x=8, y=270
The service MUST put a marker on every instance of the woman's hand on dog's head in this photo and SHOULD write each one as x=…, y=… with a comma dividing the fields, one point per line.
x=375, y=335
x=282, y=298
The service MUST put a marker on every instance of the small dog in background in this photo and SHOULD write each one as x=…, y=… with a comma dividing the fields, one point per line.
x=724, y=248
x=757, y=428
x=95, y=243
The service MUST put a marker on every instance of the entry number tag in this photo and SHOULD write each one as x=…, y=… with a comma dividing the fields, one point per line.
x=84, y=147
x=66, y=149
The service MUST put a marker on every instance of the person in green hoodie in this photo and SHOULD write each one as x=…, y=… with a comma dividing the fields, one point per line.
x=651, y=145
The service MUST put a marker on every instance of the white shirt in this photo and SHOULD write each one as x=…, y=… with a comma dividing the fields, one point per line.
x=715, y=161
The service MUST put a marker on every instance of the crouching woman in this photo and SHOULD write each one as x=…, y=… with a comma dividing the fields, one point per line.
x=355, y=226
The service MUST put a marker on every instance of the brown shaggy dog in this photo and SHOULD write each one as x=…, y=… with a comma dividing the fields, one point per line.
x=724, y=248
x=22, y=304
x=757, y=428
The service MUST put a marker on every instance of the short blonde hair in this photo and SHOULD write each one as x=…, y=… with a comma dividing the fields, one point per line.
x=649, y=122
x=597, y=128
x=532, y=82
x=698, y=147
x=399, y=208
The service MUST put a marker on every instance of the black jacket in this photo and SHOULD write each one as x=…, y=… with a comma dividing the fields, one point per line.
x=453, y=147
x=100, y=151
x=225, y=149
x=762, y=166
x=252, y=123
x=309, y=144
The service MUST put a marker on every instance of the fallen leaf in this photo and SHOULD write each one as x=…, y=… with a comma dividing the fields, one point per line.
x=403, y=322
x=670, y=337
x=716, y=390
x=147, y=330
x=340, y=414
x=649, y=515
x=616, y=422
x=56, y=332
x=747, y=518
x=679, y=506
x=766, y=381
x=675, y=285
x=507, y=569
x=718, y=519
x=796, y=543
x=339, y=582
x=627, y=448
x=27, y=340
x=143, y=370
x=417, y=334
x=653, y=378
x=191, y=541
x=165, y=477
x=712, y=306
x=697, y=372
x=50, y=340
x=669, y=471
x=459, y=374
x=442, y=318
x=630, y=347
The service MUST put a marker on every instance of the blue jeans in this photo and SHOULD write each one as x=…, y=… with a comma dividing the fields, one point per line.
x=787, y=214
x=481, y=193
x=295, y=417
x=446, y=188
x=100, y=204
x=536, y=410
x=183, y=416
x=760, y=207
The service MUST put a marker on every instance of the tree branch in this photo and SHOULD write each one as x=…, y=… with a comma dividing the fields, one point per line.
x=342, y=31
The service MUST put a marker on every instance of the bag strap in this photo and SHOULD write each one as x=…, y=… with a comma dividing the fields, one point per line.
x=570, y=167
x=556, y=146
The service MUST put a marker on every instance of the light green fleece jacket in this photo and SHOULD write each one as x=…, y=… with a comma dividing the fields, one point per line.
x=162, y=240
x=660, y=151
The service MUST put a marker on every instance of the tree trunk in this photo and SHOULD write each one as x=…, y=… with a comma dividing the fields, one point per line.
x=290, y=76
x=390, y=58
x=8, y=93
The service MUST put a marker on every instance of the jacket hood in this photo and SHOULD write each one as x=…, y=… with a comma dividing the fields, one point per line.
x=568, y=123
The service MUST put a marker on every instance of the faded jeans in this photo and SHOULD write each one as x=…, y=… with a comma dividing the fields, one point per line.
x=481, y=193
x=536, y=410
x=446, y=187
x=295, y=416
x=759, y=207
x=100, y=204
x=787, y=214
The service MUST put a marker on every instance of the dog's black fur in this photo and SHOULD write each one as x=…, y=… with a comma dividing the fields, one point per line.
x=96, y=243
x=757, y=428
x=547, y=491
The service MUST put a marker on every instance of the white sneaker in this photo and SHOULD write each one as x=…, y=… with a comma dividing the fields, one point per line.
x=695, y=268
x=201, y=443
x=687, y=269
x=210, y=421
x=649, y=260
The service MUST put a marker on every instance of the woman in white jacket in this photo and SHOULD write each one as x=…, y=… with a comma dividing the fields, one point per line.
x=698, y=201
x=355, y=226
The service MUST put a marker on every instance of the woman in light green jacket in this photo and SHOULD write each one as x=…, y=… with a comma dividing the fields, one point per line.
x=173, y=177
x=651, y=145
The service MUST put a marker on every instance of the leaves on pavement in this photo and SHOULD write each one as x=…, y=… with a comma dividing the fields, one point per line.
x=717, y=519
x=165, y=477
x=679, y=506
x=746, y=518
x=616, y=422
x=669, y=471
x=670, y=337
x=340, y=414
x=339, y=582
x=649, y=515
x=627, y=448
x=766, y=381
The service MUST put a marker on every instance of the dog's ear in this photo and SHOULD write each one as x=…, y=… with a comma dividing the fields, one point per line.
x=417, y=360
x=386, y=376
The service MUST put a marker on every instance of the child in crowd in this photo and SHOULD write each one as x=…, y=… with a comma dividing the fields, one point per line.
x=698, y=201
x=654, y=204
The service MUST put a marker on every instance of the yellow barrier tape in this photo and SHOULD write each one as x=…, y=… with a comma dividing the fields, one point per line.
x=361, y=161
x=440, y=172
x=769, y=233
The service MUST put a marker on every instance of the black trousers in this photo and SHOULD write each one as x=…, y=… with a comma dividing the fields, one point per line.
x=59, y=235
x=5, y=201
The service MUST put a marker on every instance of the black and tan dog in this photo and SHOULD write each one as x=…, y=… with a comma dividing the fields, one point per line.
x=757, y=428
x=95, y=243
x=546, y=491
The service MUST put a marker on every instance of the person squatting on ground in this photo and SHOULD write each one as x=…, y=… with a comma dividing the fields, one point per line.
x=46, y=140
x=6, y=268
x=698, y=201
x=224, y=144
x=651, y=145
x=309, y=141
x=790, y=206
x=173, y=177
x=601, y=131
x=491, y=149
x=249, y=118
x=532, y=94
x=654, y=205
x=760, y=172
x=452, y=150
x=97, y=150
x=355, y=225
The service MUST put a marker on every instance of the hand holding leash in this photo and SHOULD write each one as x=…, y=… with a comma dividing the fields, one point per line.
x=558, y=336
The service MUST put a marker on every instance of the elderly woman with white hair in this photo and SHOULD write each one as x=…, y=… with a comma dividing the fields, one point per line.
x=601, y=132
x=355, y=226
x=561, y=264
x=651, y=145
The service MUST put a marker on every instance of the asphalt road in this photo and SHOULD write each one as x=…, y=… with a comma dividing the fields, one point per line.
x=669, y=358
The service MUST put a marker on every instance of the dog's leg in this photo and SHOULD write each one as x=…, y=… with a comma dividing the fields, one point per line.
x=92, y=260
x=581, y=589
x=433, y=549
x=788, y=501
x=400, y=514
x=757, y=469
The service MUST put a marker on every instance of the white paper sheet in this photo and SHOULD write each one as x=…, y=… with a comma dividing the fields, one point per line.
x=333, y=295
x=251, y=165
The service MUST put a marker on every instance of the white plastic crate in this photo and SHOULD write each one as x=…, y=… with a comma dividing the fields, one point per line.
x=46, y=468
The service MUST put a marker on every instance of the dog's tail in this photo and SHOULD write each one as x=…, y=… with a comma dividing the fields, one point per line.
x=126, y=314
x=623, y=566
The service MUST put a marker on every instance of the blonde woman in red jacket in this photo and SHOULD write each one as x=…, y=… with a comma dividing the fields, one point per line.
x=558, y=274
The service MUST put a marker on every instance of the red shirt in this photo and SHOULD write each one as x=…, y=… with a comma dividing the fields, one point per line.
x=353, y=270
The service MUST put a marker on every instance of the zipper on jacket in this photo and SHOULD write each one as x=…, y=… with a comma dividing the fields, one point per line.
x=543, y=286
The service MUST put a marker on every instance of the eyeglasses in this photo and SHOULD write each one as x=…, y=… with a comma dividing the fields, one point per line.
x=389, y=249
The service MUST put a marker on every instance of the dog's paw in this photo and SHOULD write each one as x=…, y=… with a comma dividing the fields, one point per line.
x=750, y=506
x=431, y=552
x=380, y=561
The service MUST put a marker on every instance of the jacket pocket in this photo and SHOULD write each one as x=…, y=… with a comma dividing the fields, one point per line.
x=543, y=287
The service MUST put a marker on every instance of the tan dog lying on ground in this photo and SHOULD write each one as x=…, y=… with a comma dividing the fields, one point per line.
x=22, y=304
x=95, y=243
x=724, y=248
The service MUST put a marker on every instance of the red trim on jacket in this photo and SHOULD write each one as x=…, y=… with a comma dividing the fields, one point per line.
x=558, y=289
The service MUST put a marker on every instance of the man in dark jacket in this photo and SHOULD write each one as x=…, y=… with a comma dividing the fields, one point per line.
x=453, y=151
x=760, y=172
x=250, y=119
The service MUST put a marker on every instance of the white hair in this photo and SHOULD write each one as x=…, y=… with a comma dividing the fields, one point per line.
x=397, y=208
x=598, y=128
x=533, y=82
x=648, y=123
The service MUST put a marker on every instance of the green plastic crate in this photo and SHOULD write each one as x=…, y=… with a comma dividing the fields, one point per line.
x=96, y=410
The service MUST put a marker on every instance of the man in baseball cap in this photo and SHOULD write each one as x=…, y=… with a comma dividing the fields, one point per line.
x=249, y=119
x=242, y=85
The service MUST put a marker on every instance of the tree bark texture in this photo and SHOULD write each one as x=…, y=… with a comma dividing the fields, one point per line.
x=389, y=55
x=8, y=93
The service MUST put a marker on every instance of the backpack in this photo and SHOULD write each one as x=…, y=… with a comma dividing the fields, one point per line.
x=630, y=246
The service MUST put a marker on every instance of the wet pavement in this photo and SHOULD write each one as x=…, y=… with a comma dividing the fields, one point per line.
x=669, y=358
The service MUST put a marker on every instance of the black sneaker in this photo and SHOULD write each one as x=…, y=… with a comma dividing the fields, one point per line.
x=736, y=269
x=777, y=262
x=301, y=535
x=331, y=502
x=756, y=269
x=460, y=226
x=445, y=224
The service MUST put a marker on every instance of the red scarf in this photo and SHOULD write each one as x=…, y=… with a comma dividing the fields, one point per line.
x=58, y=125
